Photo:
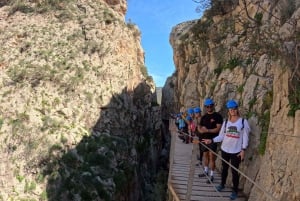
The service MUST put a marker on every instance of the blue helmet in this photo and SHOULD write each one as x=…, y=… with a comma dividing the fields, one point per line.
x=208, y=102
x=197, y=110
x=190, y=111
x=189, y=118
x=231, y=104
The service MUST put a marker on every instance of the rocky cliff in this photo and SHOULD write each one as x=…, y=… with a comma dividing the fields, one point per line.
x=78, y=118
x=249, y=51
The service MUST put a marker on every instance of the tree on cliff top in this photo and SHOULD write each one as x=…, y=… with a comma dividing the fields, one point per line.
x=215, y=7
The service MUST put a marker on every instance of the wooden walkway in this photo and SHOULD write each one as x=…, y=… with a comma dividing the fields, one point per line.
x=184, y=183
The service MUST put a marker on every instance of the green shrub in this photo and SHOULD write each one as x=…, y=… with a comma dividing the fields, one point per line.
x=240, y=89
x=70, y=159
x=201, y=27
x=1, y=122
x=108, y=17
x=39, y=178
x=264, y=121
x=294, y=101
x=29, y=186
x=39, y=7
x=144, y=71
x=230, y=64
x=252, y=102
x=43, y=196
x=218, y=70
x=217, y=7
x=20, y=178
x=258, y=18
x=267, y=101
x=20, y=6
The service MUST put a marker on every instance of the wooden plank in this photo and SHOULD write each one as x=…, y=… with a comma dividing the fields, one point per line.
x=180, y=168
x=179, y=182
x=183, y=173
x=212, y=193
x=180, y=186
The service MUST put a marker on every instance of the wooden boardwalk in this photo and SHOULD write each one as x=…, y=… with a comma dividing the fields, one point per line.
x=184, y=183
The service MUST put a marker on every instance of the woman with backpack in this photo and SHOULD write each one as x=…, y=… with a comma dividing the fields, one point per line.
x=234, y=135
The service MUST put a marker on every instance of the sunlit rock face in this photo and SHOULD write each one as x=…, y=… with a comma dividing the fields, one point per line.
x=249, y=53
x=78, y=118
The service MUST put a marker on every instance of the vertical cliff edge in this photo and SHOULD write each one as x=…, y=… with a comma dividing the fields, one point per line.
x=249, y=51
x=79, y=118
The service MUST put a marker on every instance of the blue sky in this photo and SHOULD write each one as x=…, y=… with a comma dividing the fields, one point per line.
x=155, y=19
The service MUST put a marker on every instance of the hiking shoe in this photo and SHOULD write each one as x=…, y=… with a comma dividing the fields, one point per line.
x=233, y=196
x=220, y=187
x=205, y=174
x=210, y=180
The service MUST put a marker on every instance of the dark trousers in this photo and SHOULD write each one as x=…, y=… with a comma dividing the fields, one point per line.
x=200, y=147
x=201, y=152
x=235, y=162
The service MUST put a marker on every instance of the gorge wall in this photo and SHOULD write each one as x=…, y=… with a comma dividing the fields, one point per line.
x=78, y=115
x=246, y=50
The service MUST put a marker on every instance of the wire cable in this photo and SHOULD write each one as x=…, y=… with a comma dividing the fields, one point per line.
x=244, y=175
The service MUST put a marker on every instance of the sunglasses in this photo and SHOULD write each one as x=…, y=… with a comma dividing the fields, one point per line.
x=209, y=106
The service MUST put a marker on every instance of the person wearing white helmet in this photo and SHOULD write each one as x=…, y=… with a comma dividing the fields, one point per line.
x=234, y=136
x=209, y=128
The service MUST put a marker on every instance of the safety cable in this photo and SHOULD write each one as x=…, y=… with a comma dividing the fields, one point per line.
x=273, y=133
x=248, y=178
x=188, y=194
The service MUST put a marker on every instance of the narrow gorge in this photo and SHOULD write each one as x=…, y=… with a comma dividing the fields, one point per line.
x=79, y=115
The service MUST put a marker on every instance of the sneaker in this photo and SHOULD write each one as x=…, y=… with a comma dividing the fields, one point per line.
x=205, y=174
x=233, y=196
x=220, y=187
x=210, y=180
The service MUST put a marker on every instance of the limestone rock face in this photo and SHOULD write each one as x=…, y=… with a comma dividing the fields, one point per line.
x=76, y=112
x=118, y=5
x=250, y=54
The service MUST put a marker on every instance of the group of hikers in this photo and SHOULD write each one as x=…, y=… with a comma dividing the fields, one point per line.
x=211, y=129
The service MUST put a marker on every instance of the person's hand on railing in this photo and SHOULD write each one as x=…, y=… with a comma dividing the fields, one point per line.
x=207, y=141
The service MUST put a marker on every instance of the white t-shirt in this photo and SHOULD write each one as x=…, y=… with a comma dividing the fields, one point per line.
x=234, y=139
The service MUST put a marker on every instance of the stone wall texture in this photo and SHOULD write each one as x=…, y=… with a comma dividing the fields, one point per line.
x=77, y=111
x=248, y=52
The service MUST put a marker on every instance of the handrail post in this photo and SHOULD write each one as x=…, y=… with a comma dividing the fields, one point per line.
x=171, y=160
